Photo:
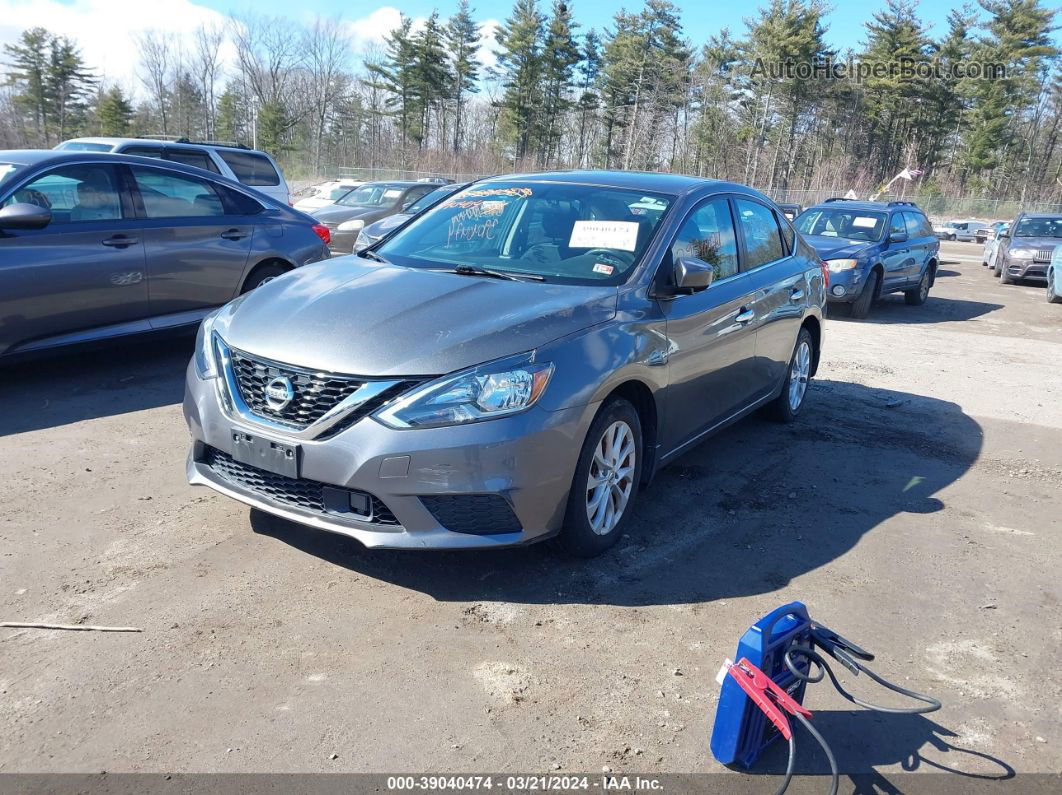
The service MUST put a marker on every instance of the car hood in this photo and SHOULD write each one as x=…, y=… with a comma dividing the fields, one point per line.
x=837, y=247
x=351, y=315
x=336, y=213
x=1034, y=242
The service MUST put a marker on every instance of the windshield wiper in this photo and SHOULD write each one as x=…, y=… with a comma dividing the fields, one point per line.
x=475, y=270
x=373, y=255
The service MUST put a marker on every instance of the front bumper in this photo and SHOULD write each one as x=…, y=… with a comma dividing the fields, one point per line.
x=845, y=286
x=527, y=459
x=1026, y=269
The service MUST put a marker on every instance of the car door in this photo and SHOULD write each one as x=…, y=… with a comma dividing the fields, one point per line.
x=711, y=367
x=778, y=280
x=83, y=273
x=197, y=242
x=895, y=255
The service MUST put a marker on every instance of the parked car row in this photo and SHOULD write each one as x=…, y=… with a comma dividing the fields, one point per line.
x=1027, y=249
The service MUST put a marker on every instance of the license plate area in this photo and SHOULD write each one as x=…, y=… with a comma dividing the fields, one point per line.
x=272, y=456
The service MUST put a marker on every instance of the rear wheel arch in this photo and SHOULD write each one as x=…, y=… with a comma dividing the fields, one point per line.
x=268, y=264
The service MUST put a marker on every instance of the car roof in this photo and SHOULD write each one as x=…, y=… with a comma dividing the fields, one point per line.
x=394, y=183
x=649, y=181
x=53, y=157
x=115, y=141
x=1041, y=215
x=866, y=206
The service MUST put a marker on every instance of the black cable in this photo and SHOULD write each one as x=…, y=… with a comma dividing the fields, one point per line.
x=826, y=749
x=931, y=703
x=789, y=765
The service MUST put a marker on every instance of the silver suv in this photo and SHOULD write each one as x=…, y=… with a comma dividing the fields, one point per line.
x=511, y=365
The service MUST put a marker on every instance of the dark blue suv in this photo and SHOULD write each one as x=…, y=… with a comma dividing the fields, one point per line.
x=872, y=248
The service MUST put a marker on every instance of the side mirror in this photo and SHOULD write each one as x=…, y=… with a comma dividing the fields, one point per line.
x=23, y=215
x=692, y=274
x=897, y=237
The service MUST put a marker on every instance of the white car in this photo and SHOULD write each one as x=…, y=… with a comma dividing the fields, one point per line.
x=317, y=196
x=988, y=257
x=957, y=230
x=249, y=167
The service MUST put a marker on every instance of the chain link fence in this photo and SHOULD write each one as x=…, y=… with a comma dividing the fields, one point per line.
x=937, y=207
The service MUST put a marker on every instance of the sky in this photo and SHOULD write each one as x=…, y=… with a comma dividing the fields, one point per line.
x=106, y=29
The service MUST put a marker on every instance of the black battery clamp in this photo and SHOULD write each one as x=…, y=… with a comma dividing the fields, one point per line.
x=778, y=657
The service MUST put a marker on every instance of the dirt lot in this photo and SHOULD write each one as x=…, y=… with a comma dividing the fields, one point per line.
x=915, y=507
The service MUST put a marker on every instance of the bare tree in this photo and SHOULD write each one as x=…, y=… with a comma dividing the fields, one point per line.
x=326, y=49
x=156, y=71
x=207, y=67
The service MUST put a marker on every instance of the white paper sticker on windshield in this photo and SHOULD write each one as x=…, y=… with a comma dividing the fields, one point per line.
x=392, y=193
x=865, y=222
x=622, y=235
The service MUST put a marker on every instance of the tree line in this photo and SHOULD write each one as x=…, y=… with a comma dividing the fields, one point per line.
x=633, y=93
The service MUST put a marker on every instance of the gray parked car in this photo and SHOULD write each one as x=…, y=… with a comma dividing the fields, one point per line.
x=1025, y=249
x=94, y=246
x=375, y=232
x=362, y=206
x=511, y=365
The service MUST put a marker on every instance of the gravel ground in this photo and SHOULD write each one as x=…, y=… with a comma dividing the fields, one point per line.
x=915, y=507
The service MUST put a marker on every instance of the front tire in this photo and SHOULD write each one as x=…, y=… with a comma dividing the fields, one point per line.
x=1004, y=277
x=861, y=306
x=606, y=480
x=786, y=407
x=919, y=294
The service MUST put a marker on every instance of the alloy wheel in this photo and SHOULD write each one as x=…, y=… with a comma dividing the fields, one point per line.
x=799, y=373
x=611, y=478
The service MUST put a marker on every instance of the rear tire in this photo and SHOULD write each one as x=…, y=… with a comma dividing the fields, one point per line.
x=261, y=275
x=786, y=407
x=919, y=294
x=861, y=306
x=605, y=485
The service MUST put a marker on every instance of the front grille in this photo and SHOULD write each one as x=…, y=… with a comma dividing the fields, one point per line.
x=476, y=514
x=1043, y=255
x=295, y=492
x=315, y=393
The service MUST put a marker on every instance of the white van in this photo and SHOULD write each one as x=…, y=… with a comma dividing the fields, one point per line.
x=250, y=167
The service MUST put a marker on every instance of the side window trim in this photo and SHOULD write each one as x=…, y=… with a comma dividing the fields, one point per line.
x=142, y=208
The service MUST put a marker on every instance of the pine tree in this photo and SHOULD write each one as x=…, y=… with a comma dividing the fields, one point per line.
x=462, y=40
x=114, y=113
x=519, y=63
x=560, y=54
x=395, y=74
x=431, y=74
x=68, y=84
x=29, y=61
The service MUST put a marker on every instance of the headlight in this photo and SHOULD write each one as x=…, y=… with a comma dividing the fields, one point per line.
x=205, y=361
x=838, y=265
x=1021, y=253
x=351, y=226
x=495, y=389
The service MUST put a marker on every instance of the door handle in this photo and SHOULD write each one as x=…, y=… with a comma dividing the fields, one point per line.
x=120, y=241
x=796, y=295
x=233, y=234
x=745, y=316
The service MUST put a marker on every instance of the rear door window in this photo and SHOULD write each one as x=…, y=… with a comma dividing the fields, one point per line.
x=763, y=241
x=143, y=151
x=250, y=168
x=168, y=195
x=199, y=158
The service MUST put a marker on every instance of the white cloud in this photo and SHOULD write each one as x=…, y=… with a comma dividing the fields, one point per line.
x=105, y=29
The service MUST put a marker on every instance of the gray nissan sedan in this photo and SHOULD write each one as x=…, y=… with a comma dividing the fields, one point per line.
x=512, y=365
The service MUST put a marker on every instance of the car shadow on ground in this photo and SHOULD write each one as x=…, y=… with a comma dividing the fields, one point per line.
x=93, y=382
x=862, y=741
x=892, y=309
x=744, y=513
x=945, y=273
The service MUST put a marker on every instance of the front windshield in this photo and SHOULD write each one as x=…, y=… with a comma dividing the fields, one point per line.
x=372, y=195
x=575, y=234
x=1039, y=227
x=835, y=222
x=338, y=193
x=84, y=146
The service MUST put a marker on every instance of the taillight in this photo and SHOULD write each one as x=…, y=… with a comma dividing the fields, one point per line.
x=323, y=233
x=825, y=274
